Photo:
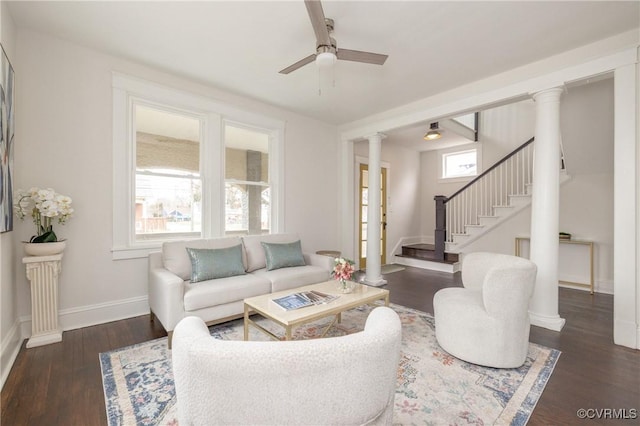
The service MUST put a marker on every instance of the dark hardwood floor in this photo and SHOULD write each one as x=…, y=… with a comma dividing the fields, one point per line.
x=60, y=384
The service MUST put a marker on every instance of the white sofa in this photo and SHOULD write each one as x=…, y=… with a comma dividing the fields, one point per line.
x=172, y=296
x=344, y=380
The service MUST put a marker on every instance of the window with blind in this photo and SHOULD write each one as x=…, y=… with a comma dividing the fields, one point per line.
x=168, y=182
x=186, y=166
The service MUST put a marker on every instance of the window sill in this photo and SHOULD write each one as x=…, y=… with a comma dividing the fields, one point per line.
x=124, y=253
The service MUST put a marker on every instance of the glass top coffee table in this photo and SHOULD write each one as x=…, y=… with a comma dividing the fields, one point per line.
x=266, y=307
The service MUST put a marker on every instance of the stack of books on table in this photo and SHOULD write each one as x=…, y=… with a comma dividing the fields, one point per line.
x=303, y=299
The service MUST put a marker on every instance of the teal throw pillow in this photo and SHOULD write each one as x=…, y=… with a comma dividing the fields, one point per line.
x=285, y=255
x=208, y=264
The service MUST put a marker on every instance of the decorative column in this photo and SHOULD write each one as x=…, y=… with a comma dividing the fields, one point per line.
x=374, y=225
x=43, y=273
x=545, y=208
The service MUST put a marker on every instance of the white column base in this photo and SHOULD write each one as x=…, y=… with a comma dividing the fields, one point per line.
x=54, y=336
x=554, y=323
x=626, y=333
x=375, y=282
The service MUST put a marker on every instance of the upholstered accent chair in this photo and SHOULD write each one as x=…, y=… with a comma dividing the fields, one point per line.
x=487, y=321
x=338, y=380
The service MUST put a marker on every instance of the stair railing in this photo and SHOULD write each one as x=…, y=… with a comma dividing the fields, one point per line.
x=509, y=176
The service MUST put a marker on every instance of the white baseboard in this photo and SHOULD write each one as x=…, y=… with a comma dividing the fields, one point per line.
x=426, y=264
x=9, y=349
x=86, y=316
x=599, y=286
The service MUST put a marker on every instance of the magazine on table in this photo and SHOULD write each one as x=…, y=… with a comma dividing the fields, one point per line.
x=303, y=299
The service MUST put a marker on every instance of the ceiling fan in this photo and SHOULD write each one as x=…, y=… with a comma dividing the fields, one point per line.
x=326, y=47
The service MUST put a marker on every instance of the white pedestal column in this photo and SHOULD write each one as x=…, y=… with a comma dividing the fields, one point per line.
x=373, y=276
x=545, y=208
x=43, y=273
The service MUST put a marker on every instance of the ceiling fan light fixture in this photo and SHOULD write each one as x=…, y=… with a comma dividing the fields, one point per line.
x=326, y=59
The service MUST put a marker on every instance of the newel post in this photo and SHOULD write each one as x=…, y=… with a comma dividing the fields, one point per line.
x=441, y=225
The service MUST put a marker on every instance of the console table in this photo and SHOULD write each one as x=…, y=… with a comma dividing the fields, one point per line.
x=587, y=243
x=42, y=272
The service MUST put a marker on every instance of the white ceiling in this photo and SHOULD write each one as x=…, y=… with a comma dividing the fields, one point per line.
x=240, y=46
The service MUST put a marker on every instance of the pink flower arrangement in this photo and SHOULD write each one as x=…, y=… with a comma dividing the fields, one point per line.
x=343, y=269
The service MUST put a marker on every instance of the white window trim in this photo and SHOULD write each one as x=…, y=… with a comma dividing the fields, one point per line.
x=126, y=89
x=460, y=148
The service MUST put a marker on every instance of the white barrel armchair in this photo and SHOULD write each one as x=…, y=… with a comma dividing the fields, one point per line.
x=339, y=380
x=487, y=321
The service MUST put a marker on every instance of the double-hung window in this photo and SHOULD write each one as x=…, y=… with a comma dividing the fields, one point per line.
x=186, y=167
x=247, y=189
x=168, y=181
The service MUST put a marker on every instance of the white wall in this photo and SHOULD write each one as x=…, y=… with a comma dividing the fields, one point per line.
x=64, y=120
x=403, y=192
x=10, y=338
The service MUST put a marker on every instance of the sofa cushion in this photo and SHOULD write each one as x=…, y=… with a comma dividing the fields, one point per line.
x=297, y=276
x=176, y=259
x=282, y=255
x=206, y=294
x=254, y=251
x=207, y=264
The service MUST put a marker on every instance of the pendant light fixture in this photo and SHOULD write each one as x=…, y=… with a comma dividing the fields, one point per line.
x=433, y=133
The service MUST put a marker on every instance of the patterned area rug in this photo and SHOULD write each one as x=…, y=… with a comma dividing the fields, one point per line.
x=433, y=387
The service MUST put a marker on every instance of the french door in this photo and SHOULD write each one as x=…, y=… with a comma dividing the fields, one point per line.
x=363, y=203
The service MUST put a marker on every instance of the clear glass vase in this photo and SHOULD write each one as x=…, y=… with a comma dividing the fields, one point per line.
x=345, y=286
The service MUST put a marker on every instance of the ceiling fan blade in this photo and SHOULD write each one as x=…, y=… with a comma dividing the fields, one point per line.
x=299, y=64
x=359, y=56
x=316, y=14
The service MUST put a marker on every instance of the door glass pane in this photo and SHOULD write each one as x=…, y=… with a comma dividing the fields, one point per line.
x=365, y=196
x=168, y=187
x=364, y=213
x=364, y=231
x=365, y=179
x=363, y=249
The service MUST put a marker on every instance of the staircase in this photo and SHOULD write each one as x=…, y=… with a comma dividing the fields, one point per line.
x=484, y=203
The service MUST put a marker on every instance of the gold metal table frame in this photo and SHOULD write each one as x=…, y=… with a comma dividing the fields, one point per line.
x=264, y=306
x=587, y=243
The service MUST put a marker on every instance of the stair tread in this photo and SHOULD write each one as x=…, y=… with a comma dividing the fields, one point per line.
x=423, y=251
x=421, y=246
x=447, y=261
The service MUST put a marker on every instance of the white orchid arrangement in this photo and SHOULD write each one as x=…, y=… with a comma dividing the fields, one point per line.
x=43, y=205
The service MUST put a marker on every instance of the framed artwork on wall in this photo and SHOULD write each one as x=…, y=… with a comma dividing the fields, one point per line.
x=7, y=126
